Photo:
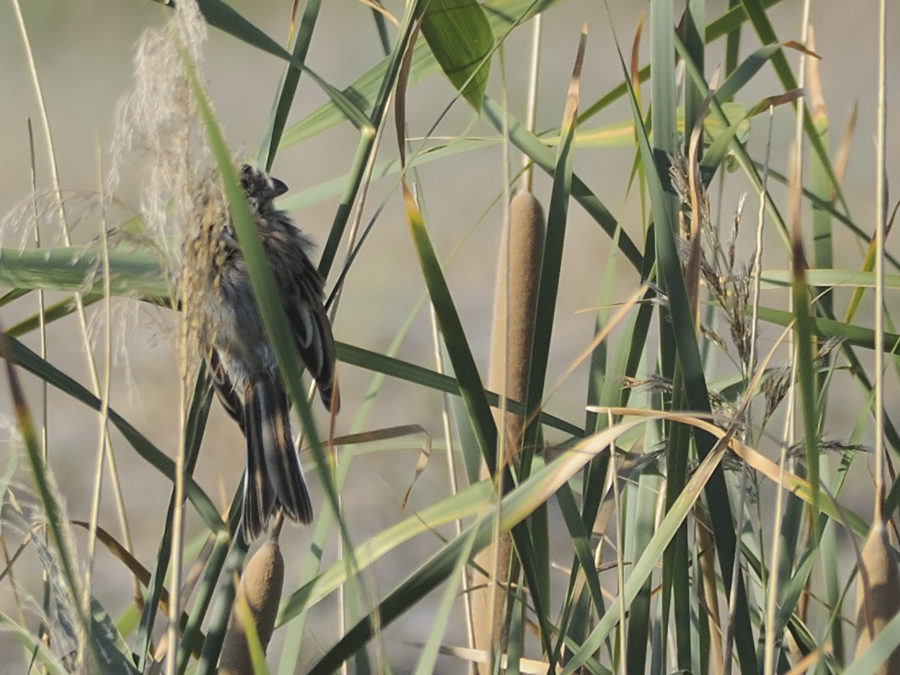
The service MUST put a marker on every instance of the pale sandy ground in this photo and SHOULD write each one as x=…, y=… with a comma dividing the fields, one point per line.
x=84, y=52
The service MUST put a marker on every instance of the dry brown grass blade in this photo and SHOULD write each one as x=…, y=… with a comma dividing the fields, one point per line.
x=791, y=44
x=571, y=110
x=295, y=6
x=482, y=658
x=798, y=254
x=814, y=83
x=806, y=664
x=635, y=60
x=376, y=6
x=785, y=479
x=258, y=595
x=774, y=101
x=709, y=593
x=624, y=307
x=820, y=111
x=400, y=95
x=692, y=270
x=842, y=156
x=877, y=593
x=118, y=550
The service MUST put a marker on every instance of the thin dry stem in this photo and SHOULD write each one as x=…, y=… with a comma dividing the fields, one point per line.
x=534, y=72
x=880, y=224
x=454, y=478
x=620, y=562
x=104, y=413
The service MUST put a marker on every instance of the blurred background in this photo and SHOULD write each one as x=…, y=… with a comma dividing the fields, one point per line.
x=83, y=56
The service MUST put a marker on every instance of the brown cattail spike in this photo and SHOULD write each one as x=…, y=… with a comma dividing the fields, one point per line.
x=526, y=245
x=518, y=276
x=260, y=591
x=877, y=593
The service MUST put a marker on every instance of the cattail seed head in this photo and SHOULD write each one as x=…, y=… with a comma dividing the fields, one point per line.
x=877, y=593
x=260, y=591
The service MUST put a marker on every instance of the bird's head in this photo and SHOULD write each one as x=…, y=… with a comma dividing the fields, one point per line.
x=260, y=188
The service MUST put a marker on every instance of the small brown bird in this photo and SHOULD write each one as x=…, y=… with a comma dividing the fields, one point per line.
x=233, y=339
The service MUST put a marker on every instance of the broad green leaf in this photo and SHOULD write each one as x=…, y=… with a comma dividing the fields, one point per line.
x=831, y=278
x=828, y=328
x=731, y=20
x=551, y=261
x=461, y=40
x=503, y=16
x=379, y=363
x=133, y=271
x=113, y=654
x=621, y=134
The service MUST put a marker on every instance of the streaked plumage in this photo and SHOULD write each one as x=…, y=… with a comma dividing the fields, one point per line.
x=233, y=340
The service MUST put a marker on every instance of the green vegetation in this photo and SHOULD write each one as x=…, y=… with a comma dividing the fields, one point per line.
x=642, y=529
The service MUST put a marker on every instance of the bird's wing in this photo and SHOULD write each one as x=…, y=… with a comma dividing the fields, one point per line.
x=225, y=389
x=303, y=303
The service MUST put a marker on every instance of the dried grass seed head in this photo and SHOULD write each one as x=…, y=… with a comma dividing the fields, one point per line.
x=158, y=128
x=23, y=519
x=157, y=120
x=735, y=229
x=827, y=348
x=826, y=445
x=775, y=387
x=41, y=212
x=203, y=243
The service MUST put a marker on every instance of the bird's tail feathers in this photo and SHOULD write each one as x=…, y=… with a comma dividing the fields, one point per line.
x=274, y=476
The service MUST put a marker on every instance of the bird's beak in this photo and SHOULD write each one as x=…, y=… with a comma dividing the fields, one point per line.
x=278, y=188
